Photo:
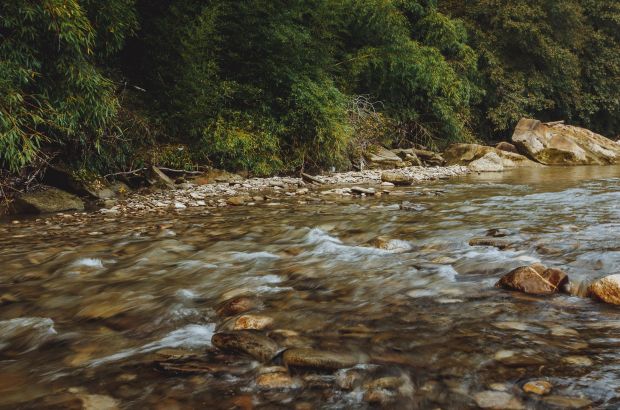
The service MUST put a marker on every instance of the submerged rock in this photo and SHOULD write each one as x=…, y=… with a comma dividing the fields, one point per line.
x=606, y=289
x=317, y=359
x=276, y=380
x=493, y=242
x=559, y=144
x=50, y=200
x=562, y=402
x=237, y=305
x=534, y=280
x=254, y=344
x=497, y=400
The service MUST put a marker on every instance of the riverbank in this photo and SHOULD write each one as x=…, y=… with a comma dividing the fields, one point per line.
x=237, y=192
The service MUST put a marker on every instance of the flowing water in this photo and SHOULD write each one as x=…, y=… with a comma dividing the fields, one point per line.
x=101, y=312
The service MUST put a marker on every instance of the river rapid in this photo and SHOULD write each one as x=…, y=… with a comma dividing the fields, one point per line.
x=120, y=311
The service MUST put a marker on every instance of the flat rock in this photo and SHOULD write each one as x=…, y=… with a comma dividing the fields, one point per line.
x=382, y=158
x=253, y=344
x=316, y=359
x=606, y=289
x=50, y=200
x=528, y=279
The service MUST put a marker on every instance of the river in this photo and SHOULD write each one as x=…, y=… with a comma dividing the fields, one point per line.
x=119, y=312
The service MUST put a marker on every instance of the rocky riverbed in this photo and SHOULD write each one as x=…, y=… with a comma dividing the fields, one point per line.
x=386, y=302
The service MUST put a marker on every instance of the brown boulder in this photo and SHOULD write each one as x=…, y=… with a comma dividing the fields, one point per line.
x=607, y=289
x=560, y=144
x=466, y=154
x=534, y=280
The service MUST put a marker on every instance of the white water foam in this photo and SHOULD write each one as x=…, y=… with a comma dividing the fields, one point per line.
x=190, y=337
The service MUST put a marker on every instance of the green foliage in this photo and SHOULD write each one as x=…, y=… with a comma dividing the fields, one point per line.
x=550, y=59
x=51, y=91
x=280, y=85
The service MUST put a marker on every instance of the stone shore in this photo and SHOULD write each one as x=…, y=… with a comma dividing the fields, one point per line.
x=251, y=191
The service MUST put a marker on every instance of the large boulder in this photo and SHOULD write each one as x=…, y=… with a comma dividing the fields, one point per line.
x=50, y=200
x=64, y=179
x=607, y=289
x=535, y=279
x=482, y=158
x=382, y=158
x=559, y=144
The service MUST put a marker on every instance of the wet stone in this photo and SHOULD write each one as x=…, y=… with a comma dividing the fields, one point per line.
x=349, y=379
x=530, y=279
x=254, y=344
x=607, y=289
x=309, y=358
x=237, y=305
x=539, y=387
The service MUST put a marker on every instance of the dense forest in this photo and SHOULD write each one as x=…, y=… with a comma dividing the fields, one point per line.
x=272, y=86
